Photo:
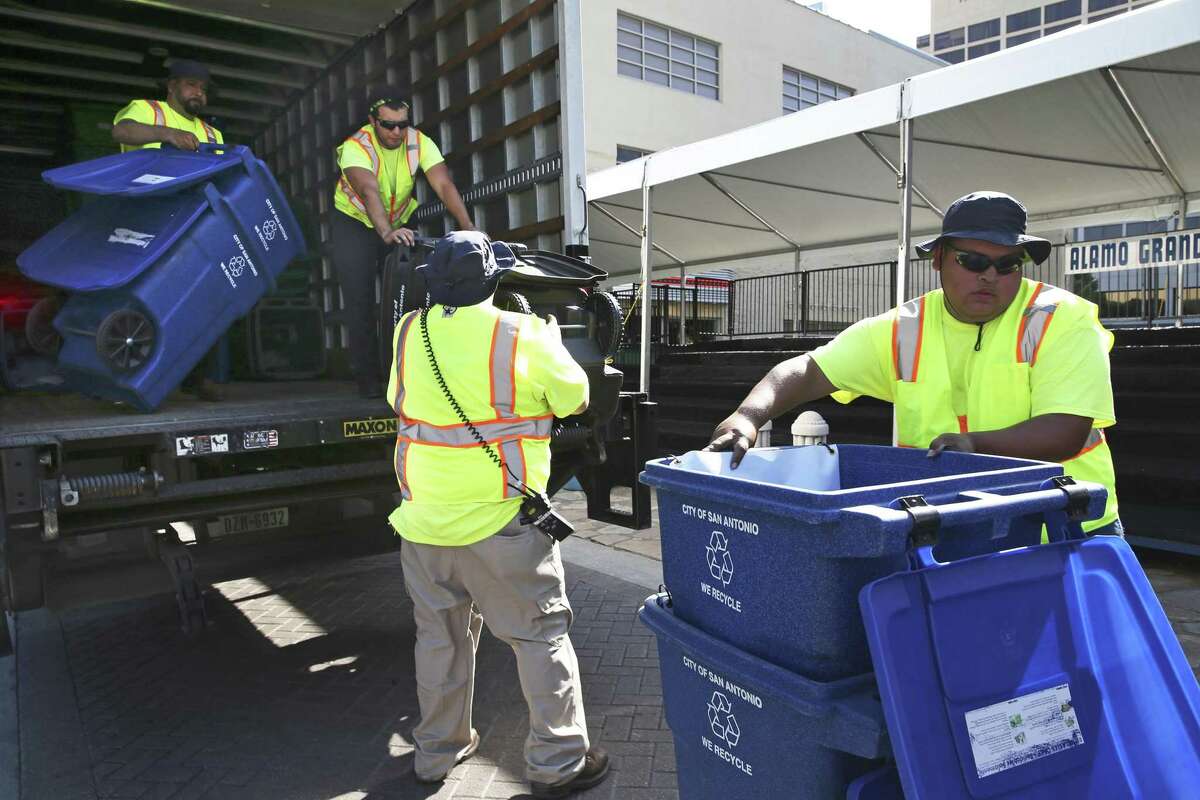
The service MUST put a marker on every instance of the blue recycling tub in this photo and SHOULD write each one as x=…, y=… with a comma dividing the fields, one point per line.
x=762, y=561
x=747, y=730
x=177, y=248
x=1044, y=673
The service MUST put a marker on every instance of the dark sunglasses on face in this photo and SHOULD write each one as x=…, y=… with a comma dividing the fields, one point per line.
x=978, y=262
x=392, y=125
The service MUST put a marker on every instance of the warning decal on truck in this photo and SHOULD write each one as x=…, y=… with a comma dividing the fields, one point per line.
x=202, y=445
x=1023, y=729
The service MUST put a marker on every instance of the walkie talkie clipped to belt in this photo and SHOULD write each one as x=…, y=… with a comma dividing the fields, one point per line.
x=536, y=509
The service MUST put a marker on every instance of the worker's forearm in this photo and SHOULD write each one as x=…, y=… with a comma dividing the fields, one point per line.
x=1049, y=437
x=375, y=213
x=788, y=384
x=129, y=132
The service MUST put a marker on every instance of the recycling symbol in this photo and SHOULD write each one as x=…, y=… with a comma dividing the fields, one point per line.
x=269, y=227
x=237, y=265
x=720, y=563
x=721, y=720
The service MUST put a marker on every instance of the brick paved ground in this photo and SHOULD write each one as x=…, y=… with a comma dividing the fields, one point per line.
x=303, y=689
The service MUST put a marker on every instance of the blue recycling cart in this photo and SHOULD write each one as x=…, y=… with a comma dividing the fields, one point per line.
x=769, y=558
x=175, y=248
x=745, y=729
x=1043, y=673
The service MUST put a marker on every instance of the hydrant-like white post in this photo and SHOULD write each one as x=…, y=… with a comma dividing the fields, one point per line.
x=809, y=428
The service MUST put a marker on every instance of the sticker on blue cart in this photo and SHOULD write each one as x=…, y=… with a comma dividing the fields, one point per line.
x=1023, y=729
x=724, y=731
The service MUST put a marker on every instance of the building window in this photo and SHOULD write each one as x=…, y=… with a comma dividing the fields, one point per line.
x=977, y=50
x=1056, y=12
x=946, y=39
x=1098, y=17
x=1063, y=27
x=953, y=56
x=923, y=42
x=983, y=30
x=662, y=55
x=1026, y=19
x=1013, y=41
x=1100, y=5
x=625, y=153
x=801, y=90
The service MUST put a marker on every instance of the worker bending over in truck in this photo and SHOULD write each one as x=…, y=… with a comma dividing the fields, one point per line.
x=175, y=121
x=991, y=362
x=378, y=167
x=476, y=391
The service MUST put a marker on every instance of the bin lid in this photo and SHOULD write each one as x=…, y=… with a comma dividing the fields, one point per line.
x=1048, y=672
x=544, y=268
x=110, y=241
x=145, y=172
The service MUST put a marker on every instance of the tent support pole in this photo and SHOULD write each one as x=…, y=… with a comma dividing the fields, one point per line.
x=596, y=205
x=862, y=137
x=647, y=293
x=682, y=305
x=904, y=183
x=738, y=202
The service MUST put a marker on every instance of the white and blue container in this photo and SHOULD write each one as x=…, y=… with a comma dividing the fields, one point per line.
x=176, y=247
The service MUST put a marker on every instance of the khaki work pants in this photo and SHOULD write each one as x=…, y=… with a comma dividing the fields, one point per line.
x=515, y=579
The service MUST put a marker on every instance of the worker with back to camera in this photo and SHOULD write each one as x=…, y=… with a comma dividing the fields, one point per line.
x=475, y=391
x=378, y=167
x=991, y=362
x=177, y=122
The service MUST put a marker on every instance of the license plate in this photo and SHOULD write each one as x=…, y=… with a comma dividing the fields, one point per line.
x=249, y=522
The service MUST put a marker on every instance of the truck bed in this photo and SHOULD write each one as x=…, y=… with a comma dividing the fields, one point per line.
x=30, y=419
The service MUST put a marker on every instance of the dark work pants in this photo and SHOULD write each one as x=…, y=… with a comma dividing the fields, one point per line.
x=357, y=251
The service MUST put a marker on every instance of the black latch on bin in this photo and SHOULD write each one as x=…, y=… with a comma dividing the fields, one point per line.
x=1077, y=497
x=926, y=520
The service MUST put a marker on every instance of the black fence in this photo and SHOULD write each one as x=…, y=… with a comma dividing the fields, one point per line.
x=826, y=301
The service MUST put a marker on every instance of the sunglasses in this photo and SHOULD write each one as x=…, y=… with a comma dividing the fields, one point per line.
x=978, y=262
x=392, y=125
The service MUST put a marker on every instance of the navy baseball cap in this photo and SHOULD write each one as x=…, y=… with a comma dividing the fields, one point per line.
x=186, y=68
x=465, y=267
x=993, y=217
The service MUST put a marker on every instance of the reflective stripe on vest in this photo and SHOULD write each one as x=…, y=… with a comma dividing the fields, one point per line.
x=906, y=339
x=512, y=458
x=1035, y=320
x=412, y=152
x=405, y=324
x=907, y=332
x=504, y=366
x=402, y=446
x=160, y=117
x=209, y=132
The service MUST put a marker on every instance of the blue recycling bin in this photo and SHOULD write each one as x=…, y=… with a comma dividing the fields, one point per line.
x=770, y=558
x=176, y=248
x=747, y=730
x=1048, y=672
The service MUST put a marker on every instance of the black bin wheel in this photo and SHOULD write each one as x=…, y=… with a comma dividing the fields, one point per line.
x=607, y=325
x=39, y=326
x=125, y=340
x=507, y=300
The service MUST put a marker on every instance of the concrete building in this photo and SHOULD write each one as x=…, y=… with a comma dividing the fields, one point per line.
x=964, y=29
x=660, y=73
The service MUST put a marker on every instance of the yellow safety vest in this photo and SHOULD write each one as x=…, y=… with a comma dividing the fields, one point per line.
x=999, y=393
x=439, y=464
x=364, y=138
x=161, y=118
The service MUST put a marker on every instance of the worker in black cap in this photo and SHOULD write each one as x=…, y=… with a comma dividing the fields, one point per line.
x=475, y=391
x=373, y=201
x=992, y=362
x=175, y=121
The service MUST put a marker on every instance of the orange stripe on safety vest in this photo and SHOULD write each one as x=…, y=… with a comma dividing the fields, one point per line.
x=1095, y=439
x=962, y=423
x=908, y=330
x=160, y=117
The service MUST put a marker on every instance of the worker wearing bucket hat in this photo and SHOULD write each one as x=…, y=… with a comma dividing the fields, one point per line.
x=992, y=362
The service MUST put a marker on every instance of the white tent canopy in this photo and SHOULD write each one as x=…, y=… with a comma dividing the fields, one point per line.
x=1100, y=120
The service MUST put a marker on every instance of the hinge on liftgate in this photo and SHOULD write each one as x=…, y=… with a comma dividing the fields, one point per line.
x=1077, y=496
x=926, y=520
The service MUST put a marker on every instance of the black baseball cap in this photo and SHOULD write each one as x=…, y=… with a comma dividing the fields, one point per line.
x=992, y=217
x=186, y=68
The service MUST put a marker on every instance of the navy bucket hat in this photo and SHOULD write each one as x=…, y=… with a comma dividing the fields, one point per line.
x=465, y=267
x=993, y=217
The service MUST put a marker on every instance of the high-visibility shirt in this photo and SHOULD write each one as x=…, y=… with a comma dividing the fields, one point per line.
x=159, y=112
x=395, y=171
x=1047, y=354
x=511, y=376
